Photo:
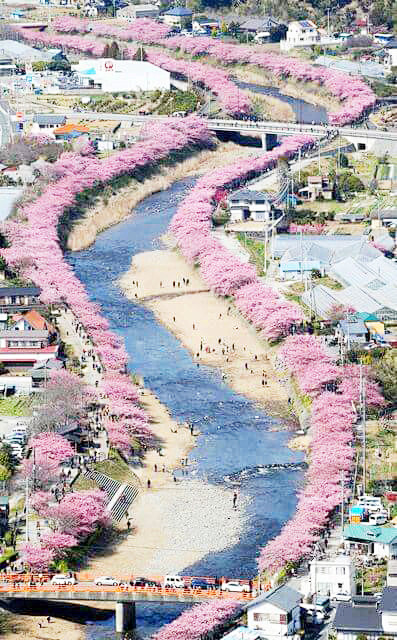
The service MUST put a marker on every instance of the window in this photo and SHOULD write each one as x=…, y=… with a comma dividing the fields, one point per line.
x=340, y=571
x=324, y=569
x=271, y=617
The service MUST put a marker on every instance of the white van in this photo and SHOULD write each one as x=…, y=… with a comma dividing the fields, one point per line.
x=378, y=518
x=371, y=503
x=173, y=582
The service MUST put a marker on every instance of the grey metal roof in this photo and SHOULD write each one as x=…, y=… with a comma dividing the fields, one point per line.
x=322, y=299
x=352, y=272
x=355, y=328
x=335, y=243
x=357, y=298
x=21, y=51
x=369, y=69
x=385, y=268
x=357, y=617
x=388, y=601
x=309, y=251
x=248, y=194
x=260, y=24
x=386, y=296
x=49, y=119
x=178, y=11
x=19, y=291
x=283, y=597
x=361, y=251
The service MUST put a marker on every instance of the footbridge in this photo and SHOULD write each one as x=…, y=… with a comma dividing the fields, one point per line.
x=123, y=592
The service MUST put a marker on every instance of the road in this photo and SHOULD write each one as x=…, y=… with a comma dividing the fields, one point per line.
x=5, y=124
x=243, y=126
x=41, y=587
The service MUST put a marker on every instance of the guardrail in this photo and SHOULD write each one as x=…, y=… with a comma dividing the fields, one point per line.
x=41, y=584
x=92, y=590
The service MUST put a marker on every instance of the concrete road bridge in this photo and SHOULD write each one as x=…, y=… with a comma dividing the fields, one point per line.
x=123, y=594
x=363, y=138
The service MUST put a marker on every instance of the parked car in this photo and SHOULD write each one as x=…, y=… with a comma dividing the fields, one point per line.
x=144, y=582
x=62, y=579
x=235, y=586
x=174, y=582
x=198, y=583
x=106, y=581
x=342, y=596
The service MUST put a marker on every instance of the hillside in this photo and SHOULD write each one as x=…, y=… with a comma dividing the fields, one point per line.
x=342, y=14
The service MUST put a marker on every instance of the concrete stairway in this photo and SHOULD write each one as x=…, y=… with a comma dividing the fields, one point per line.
x=120, y=496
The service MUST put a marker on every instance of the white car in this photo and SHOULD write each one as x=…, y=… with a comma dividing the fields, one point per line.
x=106, y=581
x=235, y=586
x=61, y=579
x=343, y=597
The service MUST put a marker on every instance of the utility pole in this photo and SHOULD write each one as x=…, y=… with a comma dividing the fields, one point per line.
x=299, y=164
x=363, y=422
x=342, y=484
x=328, y=10
x=265, y=252
x=27, y=508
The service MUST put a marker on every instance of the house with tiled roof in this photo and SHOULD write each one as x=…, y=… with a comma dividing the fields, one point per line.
x=367, y=616
x=178, y=17
x=30, y=321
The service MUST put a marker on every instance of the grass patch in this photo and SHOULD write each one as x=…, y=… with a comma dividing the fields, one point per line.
x=15, y=406
x=9, y=623
x=329, y=282
x=115, y=468
x=256, y=249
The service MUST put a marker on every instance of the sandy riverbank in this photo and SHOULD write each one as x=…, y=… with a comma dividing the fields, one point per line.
x=174, y=523
x=27, y=628
x=210, y=327
x=113, y=209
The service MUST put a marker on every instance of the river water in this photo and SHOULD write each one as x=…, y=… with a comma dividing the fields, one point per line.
x=236, y=437
x=305, y=112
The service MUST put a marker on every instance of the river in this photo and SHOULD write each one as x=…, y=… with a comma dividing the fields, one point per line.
x=305, y=112
x=236, y=437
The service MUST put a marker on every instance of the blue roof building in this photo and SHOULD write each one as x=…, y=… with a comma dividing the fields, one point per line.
x=178, y=17
x=178, y=11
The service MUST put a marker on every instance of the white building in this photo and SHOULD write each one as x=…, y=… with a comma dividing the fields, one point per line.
x=276, y=613
x=378, y=541
x=134, y=11
x=20, y=385
x=302, y=33
x=122, y=75
x=246, y=204
x=391, y=579
x=390, y=60
x=333, y=575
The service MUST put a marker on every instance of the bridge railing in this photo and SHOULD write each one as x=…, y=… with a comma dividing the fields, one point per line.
x=205, y=594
